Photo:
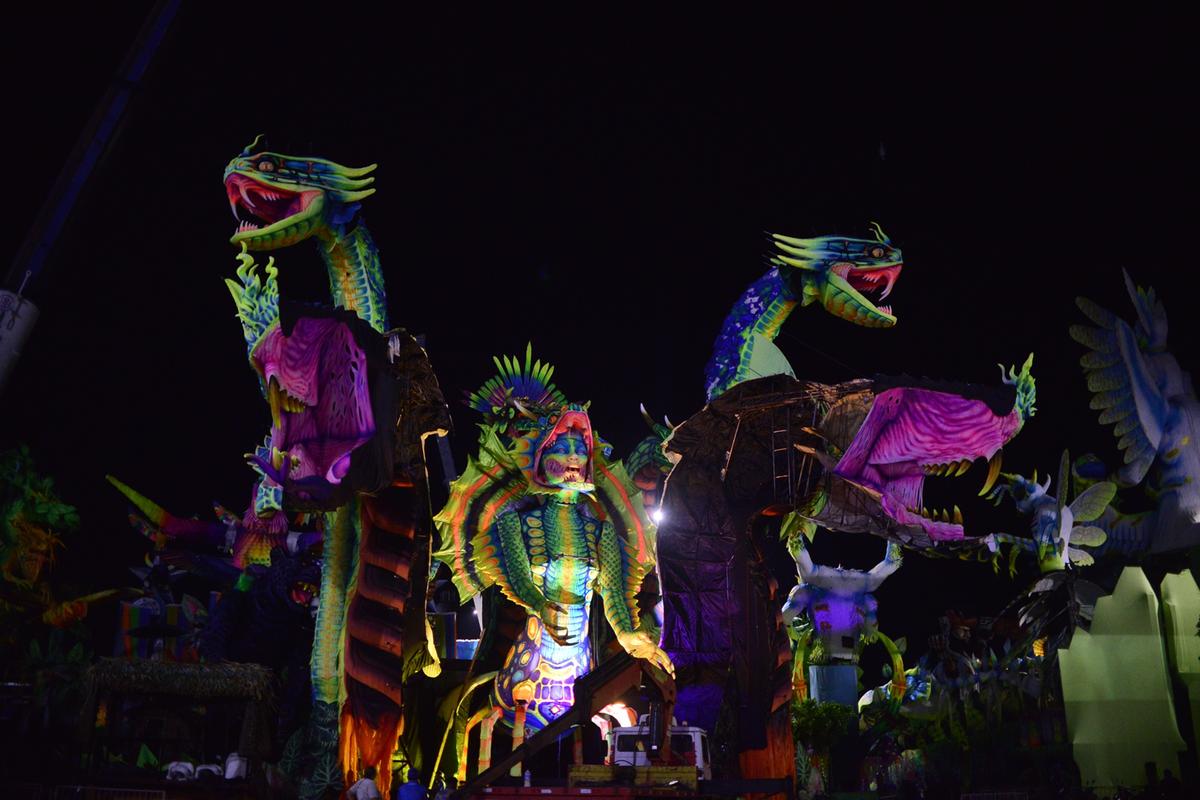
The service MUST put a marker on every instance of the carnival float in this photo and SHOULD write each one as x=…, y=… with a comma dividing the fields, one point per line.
x=557, y=614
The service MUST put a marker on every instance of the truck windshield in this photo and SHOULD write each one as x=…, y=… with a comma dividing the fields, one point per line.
x=681, y=743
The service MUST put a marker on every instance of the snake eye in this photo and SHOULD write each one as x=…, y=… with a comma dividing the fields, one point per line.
x=877, y=252
x=265, y=165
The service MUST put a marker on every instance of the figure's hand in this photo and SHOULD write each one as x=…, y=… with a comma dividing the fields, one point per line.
x=639, y=645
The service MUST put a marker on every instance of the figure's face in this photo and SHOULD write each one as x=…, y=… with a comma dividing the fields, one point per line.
x=33, y=551
x=31, y=563
x=565, y=461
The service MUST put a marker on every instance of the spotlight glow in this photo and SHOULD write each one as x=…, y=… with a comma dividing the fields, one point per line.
x=658, y=516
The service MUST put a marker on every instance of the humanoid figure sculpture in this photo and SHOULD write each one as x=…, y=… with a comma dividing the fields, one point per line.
x=840, y=602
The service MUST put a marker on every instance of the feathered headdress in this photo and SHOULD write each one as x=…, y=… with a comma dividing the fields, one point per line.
x=517, y=391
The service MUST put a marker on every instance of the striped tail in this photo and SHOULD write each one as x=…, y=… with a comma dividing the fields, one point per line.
x=390, y=563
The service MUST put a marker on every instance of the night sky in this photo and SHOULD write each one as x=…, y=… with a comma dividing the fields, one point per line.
x=600, y=187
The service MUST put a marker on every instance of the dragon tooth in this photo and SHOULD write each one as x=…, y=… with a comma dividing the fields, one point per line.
x=963, y=466
x=958, y=517
x=891, y=282
x=275, y=401
x=993, y=472
x=245, y=195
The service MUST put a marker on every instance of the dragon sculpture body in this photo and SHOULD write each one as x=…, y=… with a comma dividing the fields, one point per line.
x=542, y=514
x=869, y=447
x=853, y=457
x=351, y=402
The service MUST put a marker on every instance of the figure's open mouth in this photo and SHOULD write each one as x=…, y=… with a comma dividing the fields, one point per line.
x=268, y=214
x=564, y=473
x=873, y=284
x=303, y=592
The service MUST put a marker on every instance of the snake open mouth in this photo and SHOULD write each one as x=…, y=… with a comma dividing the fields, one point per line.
x=873, y=284
x=269, y=215
x=303, y=592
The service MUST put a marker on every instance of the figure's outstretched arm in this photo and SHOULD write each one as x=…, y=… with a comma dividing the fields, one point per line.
x=804, y=564
x=617, y=582
x=893, y=557
x=619, y=578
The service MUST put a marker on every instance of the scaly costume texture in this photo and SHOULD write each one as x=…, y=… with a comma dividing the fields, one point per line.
x=351, y=404
x=542, y=514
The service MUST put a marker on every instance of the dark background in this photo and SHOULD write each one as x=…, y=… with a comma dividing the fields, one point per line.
x=598, y=185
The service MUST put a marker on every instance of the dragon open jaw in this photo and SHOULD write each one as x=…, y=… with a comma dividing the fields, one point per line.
x=912, y=432
x=303, y=592
x=858, y=290
x=847, y=276
x=902, y=494
x=873, y=283
x=271, y=216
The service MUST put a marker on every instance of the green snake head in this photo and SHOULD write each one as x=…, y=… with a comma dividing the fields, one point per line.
x=840, y=273
x=279, y=200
